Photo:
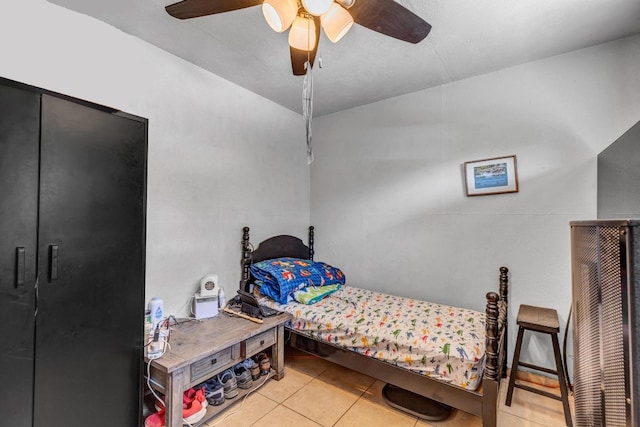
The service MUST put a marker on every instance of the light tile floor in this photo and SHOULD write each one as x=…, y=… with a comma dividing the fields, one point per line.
x=317, y=393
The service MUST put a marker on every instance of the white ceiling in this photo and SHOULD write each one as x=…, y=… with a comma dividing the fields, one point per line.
x=469, y=37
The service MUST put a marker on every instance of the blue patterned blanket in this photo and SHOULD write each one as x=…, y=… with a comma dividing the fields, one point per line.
x=280, y=278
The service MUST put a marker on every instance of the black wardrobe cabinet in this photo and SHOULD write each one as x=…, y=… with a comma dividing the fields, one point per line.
x=72, y=261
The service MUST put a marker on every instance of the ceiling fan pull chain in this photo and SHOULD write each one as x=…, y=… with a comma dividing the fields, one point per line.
x=307, y=107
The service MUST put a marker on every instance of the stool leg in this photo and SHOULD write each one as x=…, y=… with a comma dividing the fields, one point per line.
x=514, y=366
x=562, y=380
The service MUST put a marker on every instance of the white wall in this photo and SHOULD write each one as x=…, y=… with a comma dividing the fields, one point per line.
x=220, y=157
x=388, y=197
x=387, y=191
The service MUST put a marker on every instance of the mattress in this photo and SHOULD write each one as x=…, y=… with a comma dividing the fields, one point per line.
x=443, y=342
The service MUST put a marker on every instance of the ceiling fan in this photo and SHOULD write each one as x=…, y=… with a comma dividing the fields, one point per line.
x=305, y=17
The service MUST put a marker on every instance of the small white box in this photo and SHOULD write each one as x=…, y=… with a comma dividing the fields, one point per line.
x=205, y=307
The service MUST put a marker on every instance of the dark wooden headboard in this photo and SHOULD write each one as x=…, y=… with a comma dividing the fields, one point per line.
x=274, y=247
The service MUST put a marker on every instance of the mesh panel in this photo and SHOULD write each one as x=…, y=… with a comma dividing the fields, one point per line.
x=612, y=332
x=599, y=390
x=586, y=328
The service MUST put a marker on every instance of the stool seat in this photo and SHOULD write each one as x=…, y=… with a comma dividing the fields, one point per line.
x=543, y=320
x=538, y=319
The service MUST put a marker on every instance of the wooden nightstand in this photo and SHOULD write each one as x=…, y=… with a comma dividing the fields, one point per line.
x=204, y=348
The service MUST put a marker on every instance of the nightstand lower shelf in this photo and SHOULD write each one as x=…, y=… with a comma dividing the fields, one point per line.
x=212, y=410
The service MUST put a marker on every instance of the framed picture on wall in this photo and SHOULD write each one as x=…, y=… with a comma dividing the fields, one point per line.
x=491, y=176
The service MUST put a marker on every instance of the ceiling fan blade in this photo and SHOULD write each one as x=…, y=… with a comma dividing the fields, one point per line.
x=299, y=57
x=195, y=8
x=390, y=18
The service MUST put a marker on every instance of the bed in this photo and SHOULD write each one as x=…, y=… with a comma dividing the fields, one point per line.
x=448, y=354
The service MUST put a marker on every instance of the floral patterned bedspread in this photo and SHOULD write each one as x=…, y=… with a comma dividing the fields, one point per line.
x=437, y=340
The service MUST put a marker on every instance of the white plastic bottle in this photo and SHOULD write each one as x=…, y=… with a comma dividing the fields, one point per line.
x=222, y=299
x=157, y=311
x=156, y=344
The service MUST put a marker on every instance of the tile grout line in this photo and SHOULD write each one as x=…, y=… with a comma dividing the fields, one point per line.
x=354, y=403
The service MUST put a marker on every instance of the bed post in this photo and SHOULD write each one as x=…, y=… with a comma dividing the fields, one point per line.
x=504, y=315
x=491, y=377
x=491, y=362
x=495, y=349
x=246, y=258
x=311, y=250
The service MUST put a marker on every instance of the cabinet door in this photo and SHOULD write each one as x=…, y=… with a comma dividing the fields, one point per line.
x=91, y=266
x=19, y=139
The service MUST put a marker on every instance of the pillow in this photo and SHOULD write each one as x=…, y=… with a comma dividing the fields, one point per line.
x=313, y=294
x=282, y=277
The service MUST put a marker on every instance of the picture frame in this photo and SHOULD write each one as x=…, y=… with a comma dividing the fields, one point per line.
x=496, y=175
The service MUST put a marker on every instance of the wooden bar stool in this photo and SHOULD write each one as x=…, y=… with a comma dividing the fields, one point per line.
x=544, y=320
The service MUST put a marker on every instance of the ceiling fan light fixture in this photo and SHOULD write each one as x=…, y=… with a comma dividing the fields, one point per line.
x=316, y=7
x=302, y=35
x=279, y=14
x=346, y=3
x=336, y=22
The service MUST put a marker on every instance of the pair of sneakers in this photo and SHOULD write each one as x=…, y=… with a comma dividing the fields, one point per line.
x=231, y=379
x=253, y=367
x=214, y=391
x=194, y=408
x=264, y=363
x=229, y=384
x=243, y=375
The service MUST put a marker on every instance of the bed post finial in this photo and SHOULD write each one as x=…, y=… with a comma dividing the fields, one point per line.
x=246, y=259
x=311, y=236
x=491, y=344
